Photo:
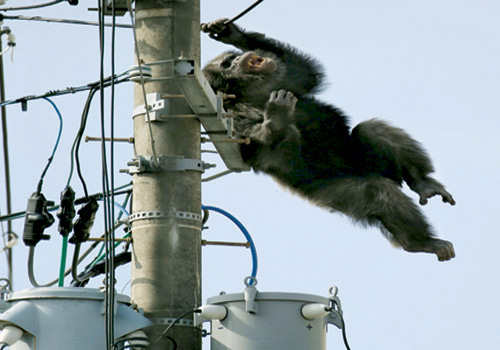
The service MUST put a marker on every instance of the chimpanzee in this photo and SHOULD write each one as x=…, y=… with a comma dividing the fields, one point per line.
x=308, y=146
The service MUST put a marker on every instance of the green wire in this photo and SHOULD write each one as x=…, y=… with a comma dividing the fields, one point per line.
x=63, y=260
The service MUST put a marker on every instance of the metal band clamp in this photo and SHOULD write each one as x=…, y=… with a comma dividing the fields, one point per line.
x=141, y=164
x=164, y=215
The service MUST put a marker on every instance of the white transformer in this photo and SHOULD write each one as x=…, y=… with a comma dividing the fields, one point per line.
x=65, y=318
x=255, y=320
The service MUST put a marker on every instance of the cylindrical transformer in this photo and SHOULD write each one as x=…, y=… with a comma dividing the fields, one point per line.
x=66, y=318
x=271, y=321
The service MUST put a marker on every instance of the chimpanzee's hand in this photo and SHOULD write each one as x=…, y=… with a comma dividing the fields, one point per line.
x=281, y=103
x=229, y=34
x=278, y=127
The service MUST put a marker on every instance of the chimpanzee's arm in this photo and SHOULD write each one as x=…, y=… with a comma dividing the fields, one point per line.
x=304, y=74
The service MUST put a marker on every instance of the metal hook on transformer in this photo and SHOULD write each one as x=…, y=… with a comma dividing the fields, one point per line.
x=250, y=294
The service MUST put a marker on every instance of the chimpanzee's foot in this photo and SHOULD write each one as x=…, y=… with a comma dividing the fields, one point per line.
x=443, y=249
x=428, y=187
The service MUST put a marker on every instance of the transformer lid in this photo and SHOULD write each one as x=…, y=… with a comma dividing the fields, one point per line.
x=269, y=296
x=63, y=293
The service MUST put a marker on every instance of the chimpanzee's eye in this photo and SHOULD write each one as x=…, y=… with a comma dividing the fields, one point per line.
x=226, y=63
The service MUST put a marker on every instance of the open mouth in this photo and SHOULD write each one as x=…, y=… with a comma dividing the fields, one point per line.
x=253, y=63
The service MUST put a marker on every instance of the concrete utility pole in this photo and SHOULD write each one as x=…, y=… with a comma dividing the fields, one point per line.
x=166, y=225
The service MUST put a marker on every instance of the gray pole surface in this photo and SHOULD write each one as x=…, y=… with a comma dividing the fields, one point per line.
x=166, y=265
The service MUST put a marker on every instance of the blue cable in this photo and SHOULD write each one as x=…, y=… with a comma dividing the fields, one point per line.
x=60, y=123
x=119, y=206
x=122, y=209
x=57, y=142
x=243, y=230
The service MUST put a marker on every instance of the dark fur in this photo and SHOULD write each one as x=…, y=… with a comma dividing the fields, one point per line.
x=308, y=146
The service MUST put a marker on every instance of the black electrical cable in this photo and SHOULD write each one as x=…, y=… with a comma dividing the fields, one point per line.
x=30, y=7
x=118, y=223
x=344, y=335
x=250, y=8
x=109, y=242
x=31, y=270
x=174, y=343
x=204, y=219
x=110, y=177
x=78, y=140
x=99, y=268
x=109, y=284
x=164, y=334
x=74, y=264
x=112, y=119
x=76, y=143
x=338, y=312
x=6, y=162
x=121, y=344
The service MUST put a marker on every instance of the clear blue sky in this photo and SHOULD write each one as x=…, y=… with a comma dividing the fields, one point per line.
x=430, y=67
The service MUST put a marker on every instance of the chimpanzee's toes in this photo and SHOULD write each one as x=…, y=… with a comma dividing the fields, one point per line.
x=443, y=249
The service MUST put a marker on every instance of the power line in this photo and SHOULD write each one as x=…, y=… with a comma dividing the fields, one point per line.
x=6, y=161
x=66, y=91
x=61, y=20
x=31, y=7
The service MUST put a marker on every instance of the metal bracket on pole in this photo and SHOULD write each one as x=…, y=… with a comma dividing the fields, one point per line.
x=210, y=111
x=141, y=164
x=157, y=106
x=206, y=105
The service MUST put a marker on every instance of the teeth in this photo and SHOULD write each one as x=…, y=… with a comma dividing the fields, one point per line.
x=255, y=61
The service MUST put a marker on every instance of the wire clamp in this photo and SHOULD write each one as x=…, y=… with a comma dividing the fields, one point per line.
x=335, y=316
x=141, y=164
